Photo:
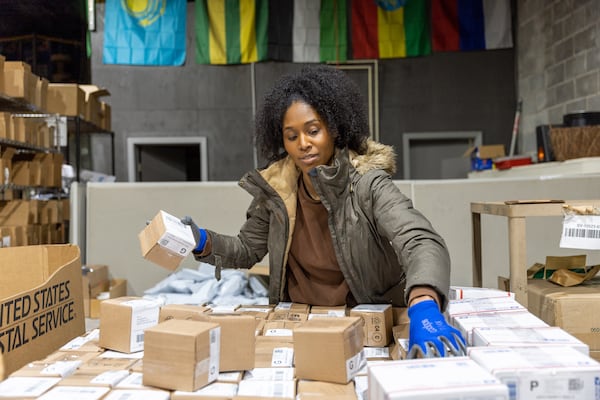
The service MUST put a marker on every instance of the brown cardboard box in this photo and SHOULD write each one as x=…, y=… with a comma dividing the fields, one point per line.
x=181, y=354
x=41, y=301
x=106, y=118
x=5, y=125
x=329, y=349
x=14, y=213
x=94, y=280
x=237, y=341
x=40, y=96
x=123, y=321
x=114, y=289
x=274, y=351
x=166, y=241
x=181, y=311
x=575, y=309
x=19, y=82
x=378, y=322
x=66, y=99
x=6, y=164
x=93, y=108
x=313, y=389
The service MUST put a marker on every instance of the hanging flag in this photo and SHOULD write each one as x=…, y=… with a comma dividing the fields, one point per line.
x=395, y=31
x=145, y=32
x=308, y=30
x=231, y=31
x=471, y=24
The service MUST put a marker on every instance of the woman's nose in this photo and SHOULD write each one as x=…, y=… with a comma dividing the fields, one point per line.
x=304, y=141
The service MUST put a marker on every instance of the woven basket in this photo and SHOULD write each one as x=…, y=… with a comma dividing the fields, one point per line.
x=575, y=142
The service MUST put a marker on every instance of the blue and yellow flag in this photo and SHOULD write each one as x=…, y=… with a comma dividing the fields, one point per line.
x=145, y=32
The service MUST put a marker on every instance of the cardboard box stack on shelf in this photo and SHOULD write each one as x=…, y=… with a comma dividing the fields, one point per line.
x=31, y=156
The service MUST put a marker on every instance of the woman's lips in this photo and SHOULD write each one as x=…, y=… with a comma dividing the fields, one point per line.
x=309, y=159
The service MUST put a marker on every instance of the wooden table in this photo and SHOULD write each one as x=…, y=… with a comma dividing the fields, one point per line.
x=516, y=212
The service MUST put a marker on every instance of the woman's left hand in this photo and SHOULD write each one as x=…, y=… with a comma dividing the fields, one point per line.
x=430, y=335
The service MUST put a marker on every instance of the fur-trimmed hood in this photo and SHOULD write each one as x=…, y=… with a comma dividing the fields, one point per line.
x=378, y=156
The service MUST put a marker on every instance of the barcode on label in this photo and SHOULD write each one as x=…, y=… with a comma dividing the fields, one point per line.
x=139, y=338
x=575, y=384
x=582, y=233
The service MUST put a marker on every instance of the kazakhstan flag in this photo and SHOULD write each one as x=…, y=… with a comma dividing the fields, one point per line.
x=144, y=32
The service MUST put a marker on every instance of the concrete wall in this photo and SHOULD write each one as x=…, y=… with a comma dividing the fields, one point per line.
x=441, y=92
x=117, y=212
x=558, y=52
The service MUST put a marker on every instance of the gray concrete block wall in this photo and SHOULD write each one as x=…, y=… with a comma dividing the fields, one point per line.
x=558, y=53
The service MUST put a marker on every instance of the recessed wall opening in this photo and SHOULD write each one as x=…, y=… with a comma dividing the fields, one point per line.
x=167, y=159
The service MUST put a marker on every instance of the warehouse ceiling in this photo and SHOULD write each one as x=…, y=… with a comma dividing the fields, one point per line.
x=57, y=18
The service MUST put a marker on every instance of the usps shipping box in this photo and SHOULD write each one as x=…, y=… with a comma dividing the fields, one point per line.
x=378, y=322
x=41, y=302
x=166, y=241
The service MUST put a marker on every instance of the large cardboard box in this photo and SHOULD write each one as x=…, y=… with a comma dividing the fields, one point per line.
x=41, y=302
x=65, y=99
x=166, y=241
x=576, y=309
x=19, y=81
x=329, y=349
x=181, y=354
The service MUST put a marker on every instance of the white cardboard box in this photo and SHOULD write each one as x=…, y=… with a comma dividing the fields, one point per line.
x=433, y=379
x=540, y=373
x=540, y=336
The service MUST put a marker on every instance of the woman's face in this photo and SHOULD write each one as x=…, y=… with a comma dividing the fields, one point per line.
x=306, y=138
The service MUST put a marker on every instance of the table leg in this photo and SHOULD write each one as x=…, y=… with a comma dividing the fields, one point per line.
x=517, y=258
x=476, y=229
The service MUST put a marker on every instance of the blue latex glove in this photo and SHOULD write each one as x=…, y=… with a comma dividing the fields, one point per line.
x=430, y=335
x=200, y=234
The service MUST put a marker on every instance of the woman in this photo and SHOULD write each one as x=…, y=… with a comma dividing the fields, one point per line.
x=336, y=228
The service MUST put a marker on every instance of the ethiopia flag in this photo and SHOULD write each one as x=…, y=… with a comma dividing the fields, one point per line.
x=397, y=31
x=144, y=32
x=471, y=24
x=308, y=30
x=231, y=31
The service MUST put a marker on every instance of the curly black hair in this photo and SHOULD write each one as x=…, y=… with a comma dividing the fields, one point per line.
x=333, y=95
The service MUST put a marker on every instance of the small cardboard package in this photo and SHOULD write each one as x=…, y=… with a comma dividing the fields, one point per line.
x=40, y=301
x=378, y=322
x=181, y=354
x=329, y=349
x=166, y=241
x=123, y=321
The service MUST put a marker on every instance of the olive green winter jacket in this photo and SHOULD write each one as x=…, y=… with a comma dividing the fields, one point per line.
x=383, y=245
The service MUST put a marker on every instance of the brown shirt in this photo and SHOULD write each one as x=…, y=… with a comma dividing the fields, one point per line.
x=314, y=276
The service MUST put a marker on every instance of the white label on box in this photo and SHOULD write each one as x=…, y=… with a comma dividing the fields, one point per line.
x=278, y=332
x=282, y=357
x=270, y=374
x=355, y=364
x=26, y=387
x=229, y=376
x=138, y=355
x=215, y=354
x=376, y=352
x=80, y=341
x=135, y=380
x=61, y=368
x=280, y=389
x=284, y=305
x=75, y=393
x=178, y=237
x=5, y=241
x=217, y=389
x=137, y=394
x=144, y=315
x=110, y=378
x=581, y=232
